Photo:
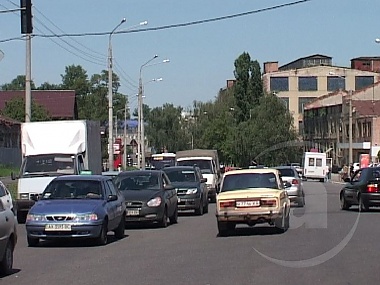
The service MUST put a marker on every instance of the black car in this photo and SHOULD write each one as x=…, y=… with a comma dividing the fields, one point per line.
x=191, y=188
x=149, y=196
x=362, y=189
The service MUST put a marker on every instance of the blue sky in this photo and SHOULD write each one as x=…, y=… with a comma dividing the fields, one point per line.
x=201, y=56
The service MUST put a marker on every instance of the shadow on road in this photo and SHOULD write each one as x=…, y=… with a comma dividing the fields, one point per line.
x=254, y=231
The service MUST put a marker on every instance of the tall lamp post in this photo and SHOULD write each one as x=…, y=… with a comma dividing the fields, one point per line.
x=110, y=100
x=140, y=130
x=350, y=144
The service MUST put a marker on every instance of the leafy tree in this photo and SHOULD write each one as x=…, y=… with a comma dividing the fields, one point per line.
x=15, y=109
x=48, y=86
x=17, y=84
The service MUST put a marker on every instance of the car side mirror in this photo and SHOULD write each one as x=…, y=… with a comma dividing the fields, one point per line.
x=203, y=180
x=287, y=184
x=112, y=198
x=169, y=187
x=34, y=197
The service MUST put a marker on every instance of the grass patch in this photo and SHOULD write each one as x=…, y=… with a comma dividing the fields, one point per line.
x=7, y=170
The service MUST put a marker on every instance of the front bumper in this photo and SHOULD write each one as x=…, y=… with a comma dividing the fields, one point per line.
x=144, y=214
x=187, y=203
x=77, y=231
x=249, y=217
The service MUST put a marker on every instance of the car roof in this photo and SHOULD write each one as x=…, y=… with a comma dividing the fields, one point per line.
x=115, y=172
x=252, y=170
x=140, y=172
x=285, y=167
x=178, y=167
x=83, y=177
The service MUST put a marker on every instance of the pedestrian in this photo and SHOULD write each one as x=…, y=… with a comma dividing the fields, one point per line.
x=351, y=169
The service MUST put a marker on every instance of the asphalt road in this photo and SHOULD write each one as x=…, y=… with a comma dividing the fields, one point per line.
x=190, y=252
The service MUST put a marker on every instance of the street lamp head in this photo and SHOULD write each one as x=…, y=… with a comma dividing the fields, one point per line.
x=144, y=23
x=158, y=79
x=166, y=60
x=155, y=56
x=123, y=20
x=377, y=40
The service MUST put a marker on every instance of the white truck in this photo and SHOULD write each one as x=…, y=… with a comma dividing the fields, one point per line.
x=208, y=162
x=53, y=148
x=314, y=165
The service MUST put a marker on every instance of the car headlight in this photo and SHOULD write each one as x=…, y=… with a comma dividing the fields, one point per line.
x=155, y=202
x=35, y=218
x=191, y=191
x=86, y=218
x=24, y=196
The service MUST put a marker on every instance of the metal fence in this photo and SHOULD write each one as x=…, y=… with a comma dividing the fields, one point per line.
x=10, y=156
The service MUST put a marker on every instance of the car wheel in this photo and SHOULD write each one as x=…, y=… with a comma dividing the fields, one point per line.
x=32, y=242
x=199, y=211
x=344, y=205
x=205, y=208
x=6, y=263
x=164, y=221
x=301, y=202
x=119, y=231
x=363, y=207
x=102, y=239
x=174, y=218
x=223, y=228
x=282, y=223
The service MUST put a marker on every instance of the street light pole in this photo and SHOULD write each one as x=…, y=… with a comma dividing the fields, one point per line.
x=125, y=136
x=350, y=156
x=110, y=101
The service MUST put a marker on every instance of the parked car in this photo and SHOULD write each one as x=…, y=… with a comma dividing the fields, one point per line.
x=77, y=206
x=6, y=197
x=252, y=196
x=8, y=238
x=191, y=188
x=149, y=197
x=294, y=187
x=363, y=189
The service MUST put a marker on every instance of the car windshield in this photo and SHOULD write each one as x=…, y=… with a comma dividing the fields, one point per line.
x=39, y=164
x=249, y=180
x=287, y=172
x=181, y=175
x=73, y=189
x=138, y=182
x=204, y=165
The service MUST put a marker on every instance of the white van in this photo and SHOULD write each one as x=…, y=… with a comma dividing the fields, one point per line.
x=314, y=165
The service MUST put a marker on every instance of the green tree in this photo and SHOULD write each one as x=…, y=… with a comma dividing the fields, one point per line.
x=17, y=84
x=15, y=109
x=49, y=86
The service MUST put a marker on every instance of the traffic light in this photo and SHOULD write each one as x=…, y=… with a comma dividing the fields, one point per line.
x=26, y=16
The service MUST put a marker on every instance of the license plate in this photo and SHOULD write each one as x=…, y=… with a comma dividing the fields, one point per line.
x=57, y=227
x=254, y=203
x=133, y=212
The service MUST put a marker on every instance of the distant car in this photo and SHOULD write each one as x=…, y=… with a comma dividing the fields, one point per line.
x=8, y=238
x=298, y=168
x=77, y=206
x=252, y=196
x=294, y=186
x=149, y=197
x=6, y=197
x=111, y=174
x=191, y=188
x=363, y=189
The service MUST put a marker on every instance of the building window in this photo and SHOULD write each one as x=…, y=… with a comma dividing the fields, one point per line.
x=363, y=81
x=369, y=129
x=285, y=100
x=302, y=101
x=335, y=83
x=279, y=84
x=309, y=83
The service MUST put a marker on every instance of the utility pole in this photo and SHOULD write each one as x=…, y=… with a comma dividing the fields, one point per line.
x=125, y=136
x=27, y=29
x=139, y=99
x=350, y=156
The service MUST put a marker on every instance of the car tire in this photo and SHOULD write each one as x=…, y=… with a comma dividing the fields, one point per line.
x=205, y=208
x=282, y=224
x=32, y=242
x=223, y=229
x=120, y=230
x=102, y=239
x=164, y=220
x=6, y=263
x=363, y=207
x=301, y=202
x=174, y=218
x=199, y=211
x=344, y=205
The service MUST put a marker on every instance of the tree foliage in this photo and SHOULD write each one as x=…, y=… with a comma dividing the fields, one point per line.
x=15, y=109
x=17, y=84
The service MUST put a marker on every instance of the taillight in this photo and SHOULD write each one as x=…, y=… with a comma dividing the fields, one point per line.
x=268, y=203
x=295, y=182
x=372, y=188
x=227, y=204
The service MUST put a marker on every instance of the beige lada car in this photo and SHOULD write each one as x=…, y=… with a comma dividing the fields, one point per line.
x=252, y=196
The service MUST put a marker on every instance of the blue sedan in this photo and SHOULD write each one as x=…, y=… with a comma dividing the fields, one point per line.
x=77, y=206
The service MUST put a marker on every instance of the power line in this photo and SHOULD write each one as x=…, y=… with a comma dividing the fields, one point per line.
x=175, y=25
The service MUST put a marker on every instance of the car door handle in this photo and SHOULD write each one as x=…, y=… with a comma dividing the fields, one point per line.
x=6, y=219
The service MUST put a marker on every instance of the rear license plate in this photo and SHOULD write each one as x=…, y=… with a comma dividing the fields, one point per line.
x=254, y=203
x=57, y=227
x=133, y=212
